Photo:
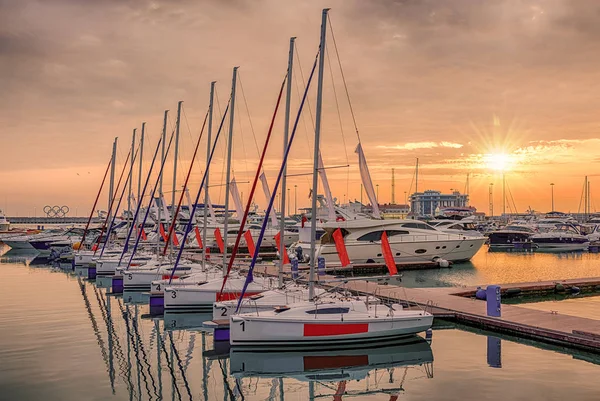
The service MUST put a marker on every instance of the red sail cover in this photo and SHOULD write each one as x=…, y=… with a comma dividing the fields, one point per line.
x=286, y=259
x=219, y=239
x=338, y=238
x=250, y=242
x=163, y=234
x=387, y=254
x=144, y=236
x=198, y=238
x=175, y=239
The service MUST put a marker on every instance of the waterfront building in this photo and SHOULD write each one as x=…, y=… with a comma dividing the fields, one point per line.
x=430, y=202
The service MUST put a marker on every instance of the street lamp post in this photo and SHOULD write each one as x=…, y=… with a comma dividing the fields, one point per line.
x=552, y=192
x=288, y=202
x=377, y=192
x=295, y=199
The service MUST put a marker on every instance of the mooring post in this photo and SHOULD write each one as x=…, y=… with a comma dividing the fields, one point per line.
x=493, y=300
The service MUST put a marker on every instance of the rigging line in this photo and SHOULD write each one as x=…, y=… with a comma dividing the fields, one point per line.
x=241, y=135
x=248, y=113
x=343, y=77
x=181, y=161
x=298, y=92
x=337, y=106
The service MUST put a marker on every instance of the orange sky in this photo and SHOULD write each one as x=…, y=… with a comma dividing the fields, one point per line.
x=449, y=82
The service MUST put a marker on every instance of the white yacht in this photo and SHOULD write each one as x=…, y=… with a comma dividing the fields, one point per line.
x=460, y=227
x=411, y=241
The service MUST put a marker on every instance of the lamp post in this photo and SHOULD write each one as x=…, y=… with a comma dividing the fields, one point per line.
x=288, y=202
x=377, y=192
x=552, y=192
x=295, y=199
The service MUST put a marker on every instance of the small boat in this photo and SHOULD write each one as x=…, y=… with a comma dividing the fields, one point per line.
x=291, y=293
x=202, y=296
x=330, y=322
x=565, y=237
x=507, y=237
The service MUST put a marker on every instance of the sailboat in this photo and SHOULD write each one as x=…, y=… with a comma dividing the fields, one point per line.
x=328, y=320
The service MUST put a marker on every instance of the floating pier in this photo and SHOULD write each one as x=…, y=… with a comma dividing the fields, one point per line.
x=453, y=303
x=460, y=305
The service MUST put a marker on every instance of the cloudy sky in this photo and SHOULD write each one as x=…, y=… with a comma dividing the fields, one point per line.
x=466, y=86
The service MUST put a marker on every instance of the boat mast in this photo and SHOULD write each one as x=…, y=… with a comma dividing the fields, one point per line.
x=210, y=120
x=112, y=180
x=286, y=131
x=129, y=215
x=228, y=175
x=175, y=164
x=139, y=190
x=315, y=183
x=160, y=188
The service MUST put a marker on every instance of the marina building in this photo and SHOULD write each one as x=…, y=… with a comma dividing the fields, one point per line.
x=430, y=202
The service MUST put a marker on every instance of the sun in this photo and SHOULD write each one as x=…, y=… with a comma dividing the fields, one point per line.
x=498, y=161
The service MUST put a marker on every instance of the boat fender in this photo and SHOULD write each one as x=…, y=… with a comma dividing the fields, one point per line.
x=575, y=290
x=511, y=292
x=559, y=287
x=443, y=263
x=480, y=294
x=429, y=336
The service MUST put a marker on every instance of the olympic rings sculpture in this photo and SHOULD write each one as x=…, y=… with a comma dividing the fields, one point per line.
x=56, y=211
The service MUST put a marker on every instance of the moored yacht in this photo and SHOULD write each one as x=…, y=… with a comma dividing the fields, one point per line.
x=565, y=237
x=331, y=322
x=411, y=241
x=507, y=237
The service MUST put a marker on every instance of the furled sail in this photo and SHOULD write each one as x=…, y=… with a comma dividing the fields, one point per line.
x=366, y=180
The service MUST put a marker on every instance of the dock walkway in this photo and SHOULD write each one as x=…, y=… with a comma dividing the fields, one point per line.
x=454, y=303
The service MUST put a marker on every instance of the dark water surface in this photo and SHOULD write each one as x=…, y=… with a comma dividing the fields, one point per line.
x=65, y=339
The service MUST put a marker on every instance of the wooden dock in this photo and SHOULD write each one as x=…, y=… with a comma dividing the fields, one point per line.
x=455, y=304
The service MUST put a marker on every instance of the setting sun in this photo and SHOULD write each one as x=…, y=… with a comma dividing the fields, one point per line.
x=498, y=161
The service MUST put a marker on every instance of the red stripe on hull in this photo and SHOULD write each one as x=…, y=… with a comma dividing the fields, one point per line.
x=168, y=276
x=315, y=330
x=328, y=362
x=228, y=296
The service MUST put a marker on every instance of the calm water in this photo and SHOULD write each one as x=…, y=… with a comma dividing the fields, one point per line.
x=62, y=339
x=508, y=267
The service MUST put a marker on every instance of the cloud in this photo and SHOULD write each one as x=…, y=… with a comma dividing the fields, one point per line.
x=422, y=145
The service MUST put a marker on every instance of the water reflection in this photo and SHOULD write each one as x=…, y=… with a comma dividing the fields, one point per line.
x=99, y=346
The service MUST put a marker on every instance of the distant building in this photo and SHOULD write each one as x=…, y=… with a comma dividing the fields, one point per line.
x=430, y=202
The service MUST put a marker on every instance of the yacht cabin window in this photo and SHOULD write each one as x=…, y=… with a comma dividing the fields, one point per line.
x=376, y=235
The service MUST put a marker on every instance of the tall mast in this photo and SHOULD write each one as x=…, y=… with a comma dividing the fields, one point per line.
x=176, y=154
x=286, y=132
x=228, y=176
x=210, y=121
x=160, y=188
x=417, y=177
x=315, y=183
x=503, y=195
x=112, y=179
x=139, y=191
x=393, y=188
x=129, y=215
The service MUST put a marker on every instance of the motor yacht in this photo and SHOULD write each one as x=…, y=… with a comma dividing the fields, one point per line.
x=411, y=241
x=507, y=237
x=565, y=237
